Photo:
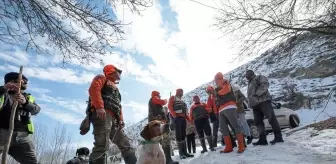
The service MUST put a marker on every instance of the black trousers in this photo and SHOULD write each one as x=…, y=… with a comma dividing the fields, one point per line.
x=203, y=126
x=262, y=110
x=191, y=142
x=180, y=129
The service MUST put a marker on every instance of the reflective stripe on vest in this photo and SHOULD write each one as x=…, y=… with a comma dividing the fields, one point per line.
x=31, y=99
x=30, y=127
x=2, y=100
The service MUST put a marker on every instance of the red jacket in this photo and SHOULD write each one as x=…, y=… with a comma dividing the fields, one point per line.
x=212, y=103
x=191, y=118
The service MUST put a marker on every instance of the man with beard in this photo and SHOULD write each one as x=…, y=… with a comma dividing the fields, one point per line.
x=22, y=147
x=178, y=110
x=259, y=100
x=107, y=118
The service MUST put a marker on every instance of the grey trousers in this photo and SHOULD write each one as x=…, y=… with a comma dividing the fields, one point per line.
x=226, y=116
x=21, y=148
x=244, y=124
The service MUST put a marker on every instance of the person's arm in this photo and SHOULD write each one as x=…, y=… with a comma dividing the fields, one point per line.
x=170, y=106
x=207, y=107
x=191, y=117
x=95, y=92
x=225, y=89
x=2, y=96
x=263, y=85
x=157, y=101
x=31, y=105
x=241, y=96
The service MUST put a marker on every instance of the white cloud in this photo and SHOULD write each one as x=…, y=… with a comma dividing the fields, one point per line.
x=61, y=116
x=139, y=111
x=188, y=57
x=57, y=74
x=16, y=57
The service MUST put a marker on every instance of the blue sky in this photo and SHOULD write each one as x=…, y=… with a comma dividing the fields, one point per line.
x=172, y=45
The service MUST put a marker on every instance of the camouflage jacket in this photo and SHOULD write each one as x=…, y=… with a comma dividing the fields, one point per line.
x=190, y=128
x=240, y=100
x=257, y=91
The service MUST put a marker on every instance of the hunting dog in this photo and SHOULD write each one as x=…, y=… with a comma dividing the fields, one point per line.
x=150, y=151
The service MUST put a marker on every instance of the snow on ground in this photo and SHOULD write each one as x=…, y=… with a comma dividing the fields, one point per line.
x=309, y=116
x=297, y=149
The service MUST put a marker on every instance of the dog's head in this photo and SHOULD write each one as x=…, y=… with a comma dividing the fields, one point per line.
x=154, y=130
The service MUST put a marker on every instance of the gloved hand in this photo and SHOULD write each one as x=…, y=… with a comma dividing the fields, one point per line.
x=20, y=98
x=101, y=114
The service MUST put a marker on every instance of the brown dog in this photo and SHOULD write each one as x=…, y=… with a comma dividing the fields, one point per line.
x=150, y=151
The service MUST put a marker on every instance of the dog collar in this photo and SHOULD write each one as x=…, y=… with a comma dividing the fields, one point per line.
x=148, y=142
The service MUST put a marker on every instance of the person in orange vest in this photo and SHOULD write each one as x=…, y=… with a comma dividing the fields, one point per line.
x=178, y=109
x=107, y=117
x=199, y=113
x=213, y=115
x=226, y=103
x=156, y=112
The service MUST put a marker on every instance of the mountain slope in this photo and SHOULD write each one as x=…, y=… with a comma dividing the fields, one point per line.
x=301, y=72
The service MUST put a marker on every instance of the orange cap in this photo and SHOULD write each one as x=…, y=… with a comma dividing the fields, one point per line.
x=155, y=93
x=210, y=89
x=108, y=69
x=219, y=75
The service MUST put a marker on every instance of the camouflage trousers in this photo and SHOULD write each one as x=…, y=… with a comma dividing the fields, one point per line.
x=107, y=130
x=165, y=140
x=21, y=147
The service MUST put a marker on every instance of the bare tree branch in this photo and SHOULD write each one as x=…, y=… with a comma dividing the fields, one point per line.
x=79, y=30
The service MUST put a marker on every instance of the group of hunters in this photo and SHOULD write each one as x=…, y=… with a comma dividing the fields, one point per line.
x=224, y=109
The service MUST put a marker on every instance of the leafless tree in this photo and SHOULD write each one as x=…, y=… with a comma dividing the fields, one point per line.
x=258, y=24
x=79, y=30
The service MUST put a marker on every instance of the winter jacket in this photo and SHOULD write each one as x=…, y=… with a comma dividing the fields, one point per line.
x=225, y=97
x=155, y=108
x=257, y=91
x=240, y=98
x=177, y=107
x=104, y=94
x=190, y=128
x=199, y=111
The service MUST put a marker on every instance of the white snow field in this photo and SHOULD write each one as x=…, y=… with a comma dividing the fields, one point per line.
x=298, y=148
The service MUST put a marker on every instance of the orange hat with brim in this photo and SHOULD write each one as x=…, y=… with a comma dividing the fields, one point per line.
x=108, y=69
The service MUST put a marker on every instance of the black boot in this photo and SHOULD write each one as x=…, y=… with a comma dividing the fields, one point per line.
x=277, y=138
x=185, y=150
x=233, y=140
x=262, y=141
x=130, y=159
x=203, y=146
x=249, y=139
x=209, y=138
x=167, y=150
x=214, y=141
x=180, y=148
x=100, y=160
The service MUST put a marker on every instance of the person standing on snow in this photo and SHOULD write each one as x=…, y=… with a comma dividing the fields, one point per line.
x=22, y=147
x=213, y=115
x=156, y=112
x=178, y=110
x=259, y=99
x=226, y=103
x=240, y=97
x=190, y=131
x=107, y=118
x=199, y=113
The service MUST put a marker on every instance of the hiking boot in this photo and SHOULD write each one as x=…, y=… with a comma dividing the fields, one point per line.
x=184, y=148
x=228, y=145
x=262, y=141
x=209, y=138
x=180, y=148
x=214, y=141
x=249, y=139
x=167, y=152
x=241, y=143
x=276, y=140
x=203, y=146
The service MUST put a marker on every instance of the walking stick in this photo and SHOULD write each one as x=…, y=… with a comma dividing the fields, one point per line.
x=11, y=122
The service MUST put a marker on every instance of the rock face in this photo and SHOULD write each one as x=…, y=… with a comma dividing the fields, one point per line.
x=301, y=72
